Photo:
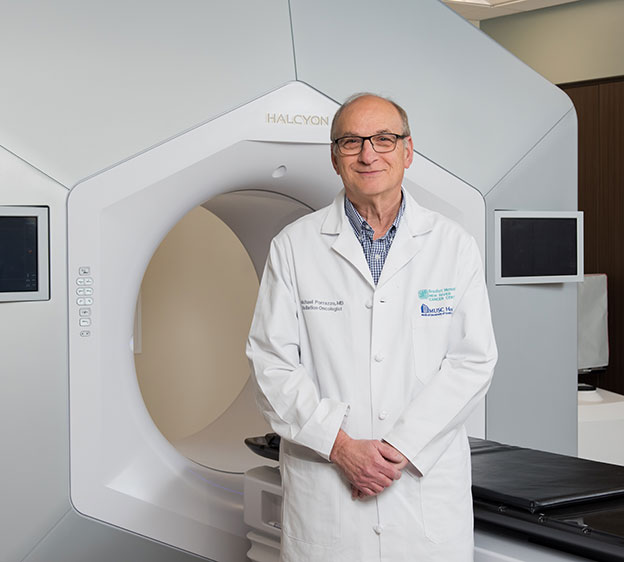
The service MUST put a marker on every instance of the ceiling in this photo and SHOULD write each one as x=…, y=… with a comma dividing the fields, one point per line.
x=485, y=9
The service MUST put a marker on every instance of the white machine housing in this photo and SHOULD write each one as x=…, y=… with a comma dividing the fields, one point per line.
x=121, y=118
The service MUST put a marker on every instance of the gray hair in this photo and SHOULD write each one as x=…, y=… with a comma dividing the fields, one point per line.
x=355, y=97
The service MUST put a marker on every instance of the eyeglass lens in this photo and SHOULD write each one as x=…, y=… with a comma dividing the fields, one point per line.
x=353, y=145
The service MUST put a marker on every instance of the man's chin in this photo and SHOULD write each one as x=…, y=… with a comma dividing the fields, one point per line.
x=372, y=189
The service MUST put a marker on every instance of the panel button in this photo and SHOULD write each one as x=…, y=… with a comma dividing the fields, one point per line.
x=80, y=301
x=88, y=291
x=88, y=301
x=80, y=281
x=85, y=322
x=85, y=333
x=84, y=270
x=88, y=280
x=85, y=312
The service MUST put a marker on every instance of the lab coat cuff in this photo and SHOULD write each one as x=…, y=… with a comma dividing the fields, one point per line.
x=320, y=431
x=418, y=464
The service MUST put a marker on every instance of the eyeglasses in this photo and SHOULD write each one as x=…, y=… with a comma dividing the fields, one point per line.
x=352, y=145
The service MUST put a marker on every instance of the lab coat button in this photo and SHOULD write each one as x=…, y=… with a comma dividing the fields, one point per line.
x=378, y=529
x=369, y=304
x=382, y=415
x=379, y=358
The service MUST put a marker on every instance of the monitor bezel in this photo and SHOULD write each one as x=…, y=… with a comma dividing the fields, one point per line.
x=43, y=252
x=535, y=279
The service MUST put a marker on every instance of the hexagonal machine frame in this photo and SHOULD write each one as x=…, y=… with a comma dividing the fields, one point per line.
x=121, y=467
x=117, y=170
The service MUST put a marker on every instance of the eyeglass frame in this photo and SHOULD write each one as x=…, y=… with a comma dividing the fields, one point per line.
x=370, y=139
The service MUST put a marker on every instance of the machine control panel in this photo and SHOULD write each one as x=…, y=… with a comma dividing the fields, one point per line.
x=84, y=300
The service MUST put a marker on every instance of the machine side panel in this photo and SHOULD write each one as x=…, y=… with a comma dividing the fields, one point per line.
x=34, y=425
x=78, y=539
x=532, y=401
x=84, y=86
x=475, y=109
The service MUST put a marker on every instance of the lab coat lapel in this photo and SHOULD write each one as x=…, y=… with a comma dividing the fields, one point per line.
x=409, y=239
x=346, y=244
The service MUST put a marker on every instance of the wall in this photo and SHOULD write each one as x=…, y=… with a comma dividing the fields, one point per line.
x=197, y=300
x=581, y=45
x=600, y=109
x=568, y=43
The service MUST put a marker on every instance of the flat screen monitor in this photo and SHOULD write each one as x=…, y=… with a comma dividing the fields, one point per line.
x=24, y=254
x=538, y=247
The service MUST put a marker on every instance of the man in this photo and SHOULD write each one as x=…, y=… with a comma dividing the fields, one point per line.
x=370, y=345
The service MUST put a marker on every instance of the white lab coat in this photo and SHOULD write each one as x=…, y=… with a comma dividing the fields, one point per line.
x=405, y=361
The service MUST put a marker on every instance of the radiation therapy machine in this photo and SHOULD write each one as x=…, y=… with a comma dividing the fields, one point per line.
x=118, y=120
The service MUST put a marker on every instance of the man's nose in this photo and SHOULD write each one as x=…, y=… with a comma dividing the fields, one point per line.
x=367, y=154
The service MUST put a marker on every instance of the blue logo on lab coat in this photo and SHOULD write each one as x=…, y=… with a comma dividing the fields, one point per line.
x=437, y=311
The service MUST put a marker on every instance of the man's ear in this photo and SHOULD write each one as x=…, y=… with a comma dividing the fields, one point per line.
x=409, y=156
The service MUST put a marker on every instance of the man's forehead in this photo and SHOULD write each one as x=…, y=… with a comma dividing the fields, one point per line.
x=370, y=111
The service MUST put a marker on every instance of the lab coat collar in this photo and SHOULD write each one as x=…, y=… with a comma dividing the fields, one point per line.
x=416, y=221
x=346, y=244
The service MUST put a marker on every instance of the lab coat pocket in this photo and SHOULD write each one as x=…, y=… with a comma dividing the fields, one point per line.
x=311, y=501
x=446, y=496
x=429, y=345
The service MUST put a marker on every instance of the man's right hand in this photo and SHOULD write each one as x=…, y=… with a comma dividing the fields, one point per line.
x=370, y=465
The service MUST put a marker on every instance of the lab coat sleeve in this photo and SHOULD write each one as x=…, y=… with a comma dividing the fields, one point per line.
x=286, y=393
x=430, y=422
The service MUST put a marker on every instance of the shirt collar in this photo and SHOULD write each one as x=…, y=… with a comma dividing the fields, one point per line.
x=360, y=225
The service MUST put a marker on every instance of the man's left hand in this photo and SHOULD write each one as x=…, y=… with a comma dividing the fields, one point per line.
x=400, y=465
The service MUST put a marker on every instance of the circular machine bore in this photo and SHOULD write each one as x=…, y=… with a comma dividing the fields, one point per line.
x=196, y=304
x=193, y=316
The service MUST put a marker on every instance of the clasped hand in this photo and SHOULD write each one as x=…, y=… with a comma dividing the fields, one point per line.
x=369, y=465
